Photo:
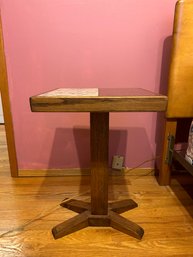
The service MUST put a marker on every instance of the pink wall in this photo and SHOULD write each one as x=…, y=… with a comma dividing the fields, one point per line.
x=83, y=43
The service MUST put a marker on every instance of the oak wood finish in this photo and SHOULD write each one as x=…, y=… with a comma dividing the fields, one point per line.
x=81, y=172
x=7, y=109
x=99, y=213
x=72, y=225
x=165, y=170
x=132, y=100
x=29, y=208
x=180, y=89
x=109, y=218
x=99, y=140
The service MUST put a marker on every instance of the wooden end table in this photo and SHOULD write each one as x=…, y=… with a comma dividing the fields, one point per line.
x=99, y=102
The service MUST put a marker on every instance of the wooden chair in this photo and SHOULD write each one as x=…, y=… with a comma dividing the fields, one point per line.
x=180, y=88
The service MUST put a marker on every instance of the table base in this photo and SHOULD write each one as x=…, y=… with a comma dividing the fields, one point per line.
x=85, y=218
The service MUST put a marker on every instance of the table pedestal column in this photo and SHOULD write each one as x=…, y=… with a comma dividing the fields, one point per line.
x=99, y=212
x=99, y=145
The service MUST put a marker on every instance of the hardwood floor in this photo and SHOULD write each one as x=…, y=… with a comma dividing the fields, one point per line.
x=29, y=208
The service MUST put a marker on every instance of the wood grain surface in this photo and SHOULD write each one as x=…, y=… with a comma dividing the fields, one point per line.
x=180, y=90
x=29, y=208
x=7, y=109
x=99, y=145
x=166, y=168
x=113, y=100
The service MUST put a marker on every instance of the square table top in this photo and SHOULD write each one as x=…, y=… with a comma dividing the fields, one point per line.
x=98, y=100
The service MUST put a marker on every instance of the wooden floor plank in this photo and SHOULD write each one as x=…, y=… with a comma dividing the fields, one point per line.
x=29, y=209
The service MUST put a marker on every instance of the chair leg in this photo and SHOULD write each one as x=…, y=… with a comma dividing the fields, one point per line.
x=165, y=169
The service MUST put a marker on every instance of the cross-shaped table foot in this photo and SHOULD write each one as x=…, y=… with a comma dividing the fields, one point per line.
x=99, y=212
x=85, y=218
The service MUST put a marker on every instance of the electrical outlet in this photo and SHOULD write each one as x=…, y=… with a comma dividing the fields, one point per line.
x=117, y=163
